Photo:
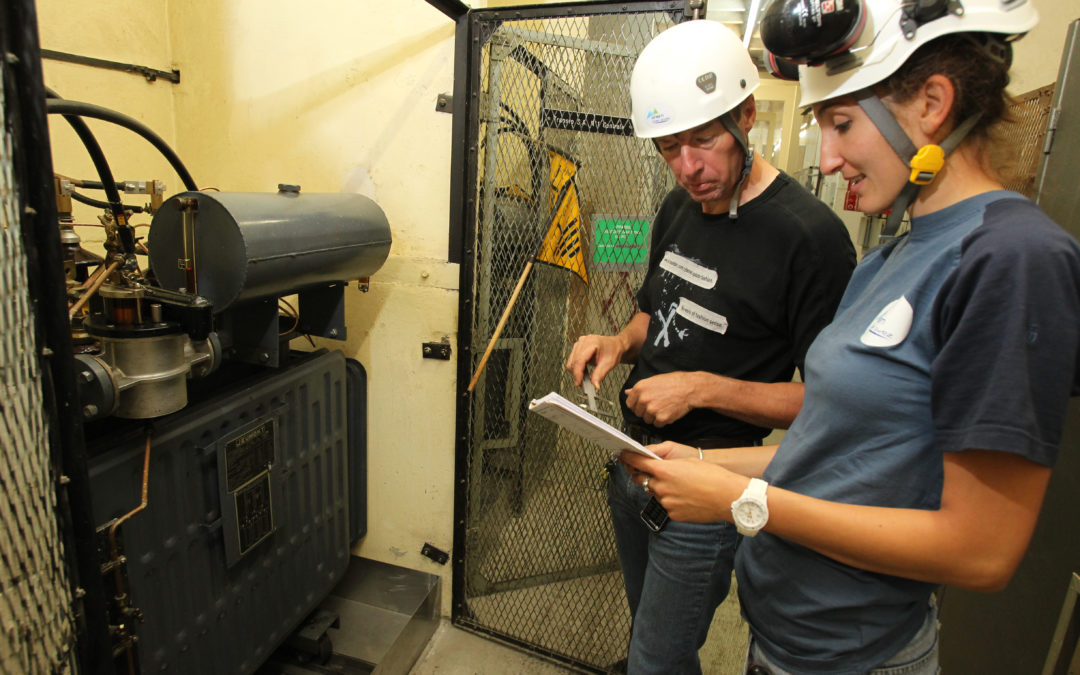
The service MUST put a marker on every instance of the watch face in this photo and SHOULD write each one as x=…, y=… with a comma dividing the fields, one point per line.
x=751, y=514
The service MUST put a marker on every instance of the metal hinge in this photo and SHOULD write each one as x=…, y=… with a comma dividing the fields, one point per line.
x=1051, y=127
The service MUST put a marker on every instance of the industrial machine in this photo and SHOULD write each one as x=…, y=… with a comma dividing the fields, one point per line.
x=220, y=263
x=225, y=470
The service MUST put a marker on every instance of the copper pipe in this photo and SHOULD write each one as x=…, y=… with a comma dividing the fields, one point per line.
x=291, y=311
x=93, y=277
x=93, y=289
x=142, y=505
x=114, y=553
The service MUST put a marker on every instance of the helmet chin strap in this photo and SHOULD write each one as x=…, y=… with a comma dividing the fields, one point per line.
x=925, y=162
x=748, y=162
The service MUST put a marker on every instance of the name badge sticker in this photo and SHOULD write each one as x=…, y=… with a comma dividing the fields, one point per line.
x=687, y=269
x=692, y=311
x=891, y=326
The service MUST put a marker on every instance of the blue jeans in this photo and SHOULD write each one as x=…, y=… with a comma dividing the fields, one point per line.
x=918, y=657
x=675, y=579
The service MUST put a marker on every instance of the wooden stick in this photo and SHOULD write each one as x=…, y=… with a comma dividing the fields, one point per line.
x=499, y=327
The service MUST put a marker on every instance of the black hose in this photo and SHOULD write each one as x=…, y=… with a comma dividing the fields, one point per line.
x=97, y=156
x=65, y=107
x=90, y=201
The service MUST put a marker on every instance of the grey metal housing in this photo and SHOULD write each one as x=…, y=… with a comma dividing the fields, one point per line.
x=211, y=604
x=257, y=245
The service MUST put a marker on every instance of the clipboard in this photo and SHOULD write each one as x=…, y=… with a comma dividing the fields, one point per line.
x=580, y=421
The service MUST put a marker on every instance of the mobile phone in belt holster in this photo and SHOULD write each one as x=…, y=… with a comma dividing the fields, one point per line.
x=654, y=516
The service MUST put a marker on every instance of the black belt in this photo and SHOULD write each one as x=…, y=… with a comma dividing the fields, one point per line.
x=648, y=437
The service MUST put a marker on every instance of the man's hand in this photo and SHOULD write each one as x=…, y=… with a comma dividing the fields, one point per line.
x=602, y=351
x=661, y=399
x=605, y=352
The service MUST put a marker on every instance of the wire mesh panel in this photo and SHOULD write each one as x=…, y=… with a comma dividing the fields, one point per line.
x=563, y=201
x=36, y=631
x=1024, y=138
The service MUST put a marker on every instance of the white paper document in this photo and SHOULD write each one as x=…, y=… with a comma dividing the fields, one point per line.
x=573, y=418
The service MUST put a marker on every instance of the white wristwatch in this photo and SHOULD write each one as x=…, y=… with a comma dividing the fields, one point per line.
x=751, y=511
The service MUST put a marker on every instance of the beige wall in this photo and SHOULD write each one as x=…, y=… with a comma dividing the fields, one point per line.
x=333, y=95
x=340, y=95
x=1038, y=54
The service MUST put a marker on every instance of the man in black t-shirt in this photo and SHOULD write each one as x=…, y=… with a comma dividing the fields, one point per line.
x=745, y=268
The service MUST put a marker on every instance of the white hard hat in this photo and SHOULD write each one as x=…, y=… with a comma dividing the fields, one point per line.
x=688, y=75
x=889, y=32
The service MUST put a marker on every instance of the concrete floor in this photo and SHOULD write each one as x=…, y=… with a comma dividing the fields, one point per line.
x=453, y=651
x=384, y=627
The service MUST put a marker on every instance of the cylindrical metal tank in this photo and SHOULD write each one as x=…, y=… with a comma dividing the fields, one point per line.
x=254, y=245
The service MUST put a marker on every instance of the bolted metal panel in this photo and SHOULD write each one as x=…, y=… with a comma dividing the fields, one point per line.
x=561, y=195
x=37, y=633
x=246, y=527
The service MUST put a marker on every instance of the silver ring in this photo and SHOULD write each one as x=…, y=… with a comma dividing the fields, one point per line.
x=645, y=485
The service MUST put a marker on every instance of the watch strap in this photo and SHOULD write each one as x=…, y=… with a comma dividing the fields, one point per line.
x=756, y=488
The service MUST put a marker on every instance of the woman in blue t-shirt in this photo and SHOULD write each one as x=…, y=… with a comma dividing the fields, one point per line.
x=935, y=401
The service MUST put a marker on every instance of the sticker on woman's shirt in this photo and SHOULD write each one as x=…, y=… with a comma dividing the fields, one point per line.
x=684, y=268
x=891, y=326
x=701, y=316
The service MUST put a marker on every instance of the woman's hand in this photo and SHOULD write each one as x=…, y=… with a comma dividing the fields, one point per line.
x=673, y=450
x=690, y=490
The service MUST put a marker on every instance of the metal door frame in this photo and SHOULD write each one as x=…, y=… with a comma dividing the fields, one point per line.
x=474, y=30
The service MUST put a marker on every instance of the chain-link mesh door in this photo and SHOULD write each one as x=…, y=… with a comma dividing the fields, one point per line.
x=37, y=631
x=564, y=197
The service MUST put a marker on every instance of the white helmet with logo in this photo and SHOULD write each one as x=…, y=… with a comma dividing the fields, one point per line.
x=872, y=42
x=688, y=75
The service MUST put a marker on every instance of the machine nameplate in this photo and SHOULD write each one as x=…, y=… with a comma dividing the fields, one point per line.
x=248, y=455
x=254, y=515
